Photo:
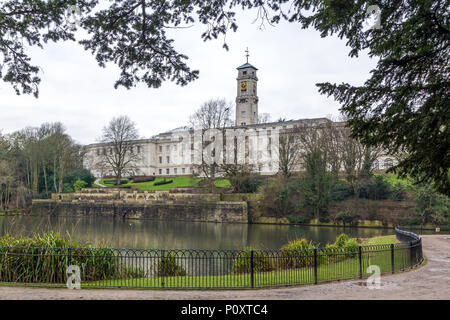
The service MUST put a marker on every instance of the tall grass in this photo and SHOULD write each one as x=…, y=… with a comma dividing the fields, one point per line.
x=43, y=258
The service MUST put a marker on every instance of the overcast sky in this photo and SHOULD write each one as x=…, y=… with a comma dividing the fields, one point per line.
x=77, y=92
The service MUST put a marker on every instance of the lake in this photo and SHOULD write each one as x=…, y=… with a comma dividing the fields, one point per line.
x=151, y=234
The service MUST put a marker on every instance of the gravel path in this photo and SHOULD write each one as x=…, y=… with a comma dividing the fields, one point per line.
x=97, y=182
x=431, y=281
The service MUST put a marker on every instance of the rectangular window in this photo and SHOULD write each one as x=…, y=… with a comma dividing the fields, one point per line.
x=160, y=171
x=160, y=159
x=168, y=159
x=175, y=170
x=183, y=147
x=243, y=114
x=183, y=170
x=167, y=171
x=175, y=147
x=160, y=148
x=167, y=148
x=138, y=149
x=98, y=152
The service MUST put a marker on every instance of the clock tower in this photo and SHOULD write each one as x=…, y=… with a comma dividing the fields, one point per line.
x=246, y=99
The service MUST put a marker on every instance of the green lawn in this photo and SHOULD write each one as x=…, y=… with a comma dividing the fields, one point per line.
x=380, y=240
x=178, y=182
x=393, y=180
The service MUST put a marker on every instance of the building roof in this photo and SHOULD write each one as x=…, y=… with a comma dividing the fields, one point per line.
x=246, y=65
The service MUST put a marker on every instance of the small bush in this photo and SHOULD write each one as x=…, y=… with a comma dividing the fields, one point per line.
x=341, y=191
x=346, y=216
x=261, y=262
x=299, y=219
x=160, y=183
x=297, y=254
x=79, y=184
x=375, y=188
x=44, y=259
x=341, y=240
x=168, y=266
x=113, y=181
x=143, y=179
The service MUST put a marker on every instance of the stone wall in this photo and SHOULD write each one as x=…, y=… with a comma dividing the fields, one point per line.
x=159, y=205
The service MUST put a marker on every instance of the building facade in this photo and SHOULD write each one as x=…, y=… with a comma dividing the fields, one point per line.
x=179, y=152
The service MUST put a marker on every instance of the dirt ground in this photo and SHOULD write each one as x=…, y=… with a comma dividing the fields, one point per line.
x=432, y=281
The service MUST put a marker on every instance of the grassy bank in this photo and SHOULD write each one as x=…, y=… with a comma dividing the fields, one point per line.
x=178, y=182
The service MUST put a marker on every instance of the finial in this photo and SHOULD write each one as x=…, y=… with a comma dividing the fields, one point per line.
x=247, y=55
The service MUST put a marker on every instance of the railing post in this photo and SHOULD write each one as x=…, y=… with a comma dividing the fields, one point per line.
x=252, y=274
x=360, y=261
x=315, y=265
x=411, y=254
x=392, y=257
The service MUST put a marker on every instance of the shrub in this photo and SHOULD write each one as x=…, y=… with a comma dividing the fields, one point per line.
x=79, y=184
x=67, y=188
x=351, y=248
x=375, y=188
x=44, y=259
x=341, y=191
x=341, y=240
x=80, y=174
x=299, y=219
x=143, y=179
x=261, y=263
x=168, y=266
x=346, y=216
x=160, y=183
x=281, y=196
x=343, y=248
x=398, y=192
x=113, y=181
x=297, y=254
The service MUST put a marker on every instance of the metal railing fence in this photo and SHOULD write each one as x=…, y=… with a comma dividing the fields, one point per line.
x=205, y=269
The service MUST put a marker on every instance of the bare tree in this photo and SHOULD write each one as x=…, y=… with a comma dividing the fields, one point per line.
x=357, y=159
x=264, y=118
x=289, y=151
x=213, y=114
x=118, y=152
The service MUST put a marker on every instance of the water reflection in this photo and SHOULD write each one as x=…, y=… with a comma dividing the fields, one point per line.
x=151, y=234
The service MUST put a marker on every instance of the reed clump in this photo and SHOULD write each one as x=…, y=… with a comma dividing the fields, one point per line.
x=44, y=258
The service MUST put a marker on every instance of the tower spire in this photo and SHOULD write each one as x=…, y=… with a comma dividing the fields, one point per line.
x=246, y=54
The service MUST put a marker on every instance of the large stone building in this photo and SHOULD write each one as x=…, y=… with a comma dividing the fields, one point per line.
x=175, y=152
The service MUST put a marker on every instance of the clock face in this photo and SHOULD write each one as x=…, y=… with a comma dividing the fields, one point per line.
x=243, y=85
